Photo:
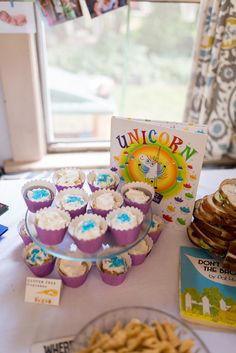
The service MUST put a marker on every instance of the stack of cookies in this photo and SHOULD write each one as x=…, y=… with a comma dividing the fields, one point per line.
x=214, y=224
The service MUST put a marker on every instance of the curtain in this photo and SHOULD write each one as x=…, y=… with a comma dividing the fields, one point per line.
x=211, y=95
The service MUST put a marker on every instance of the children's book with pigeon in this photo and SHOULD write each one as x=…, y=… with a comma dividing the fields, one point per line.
x=167, y=156
x=207, y=290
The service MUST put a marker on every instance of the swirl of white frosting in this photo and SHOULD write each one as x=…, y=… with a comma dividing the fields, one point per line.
x=72, y=201
x=68, y=177
x=137, y=196
x=104, y=180
x=115, y=265
x=72, y=268
x=52, y=218
x=104, y=201
x=156, y=224
x=140, y=248
x=39, y=194
x=87, y=229
x=124, y=219
x=35, y=256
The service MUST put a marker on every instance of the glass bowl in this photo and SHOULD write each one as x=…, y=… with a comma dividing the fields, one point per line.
x=106, y=321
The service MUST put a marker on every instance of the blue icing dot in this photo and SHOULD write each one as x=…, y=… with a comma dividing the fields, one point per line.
x=123, y=217
x=72, y=199
x=38, y=194
x=87, y=225
x=117, y=262
x=103, y=178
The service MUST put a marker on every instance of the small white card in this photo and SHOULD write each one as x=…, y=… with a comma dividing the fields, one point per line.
x=60, y=345
x=43, y=290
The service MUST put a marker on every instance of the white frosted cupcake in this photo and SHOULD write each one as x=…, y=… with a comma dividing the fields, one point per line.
x=114, y=269
x=51, y=225
x=73, y=273
x=125, y=224
x=103, y=179
x=138, y=194
x=88, y=231
x=38, y=261
x=104, y=201
x=156, y=228
x=23, y=232
x=73, y=200
x=140, y=251
x=68, y=177
x=38, y=194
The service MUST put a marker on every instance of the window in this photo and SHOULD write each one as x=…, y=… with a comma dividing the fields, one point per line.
x=135, y=61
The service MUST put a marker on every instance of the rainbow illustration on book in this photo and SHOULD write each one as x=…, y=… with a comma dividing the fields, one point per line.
x=165, y=157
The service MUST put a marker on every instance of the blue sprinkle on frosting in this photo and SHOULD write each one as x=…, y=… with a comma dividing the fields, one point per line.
x=88, y=225
x=117, y=262
x=123, y=218
x=104, y=178
x=38, y=194
x=73, y=199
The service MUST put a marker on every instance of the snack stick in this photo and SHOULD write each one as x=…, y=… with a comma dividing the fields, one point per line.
x=149, y=342
x=174, y=340
x=132, y=332
x=160, y=332
x=95, y=336
x=99, y=343
x=120, y=337
x=185, y=346
x=116, y=328
x=133, y=323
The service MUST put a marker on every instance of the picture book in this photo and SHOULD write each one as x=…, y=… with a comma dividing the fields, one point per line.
x=207, y=290
x=167, y=156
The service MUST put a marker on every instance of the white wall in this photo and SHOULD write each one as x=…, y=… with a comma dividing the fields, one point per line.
x=5, y=148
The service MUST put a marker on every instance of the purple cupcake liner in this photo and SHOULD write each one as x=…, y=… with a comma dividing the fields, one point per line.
x=73, y=282
x=155, y=235
x=138, y=259
x=50, y=237
x=94, y=188
x=62, y=187
x=35, y=206
x=42, y=270
x=124, y=237
x=113, y=280
x=144, y=208
x=89, y=246
x=77, y=212
x=100, y=212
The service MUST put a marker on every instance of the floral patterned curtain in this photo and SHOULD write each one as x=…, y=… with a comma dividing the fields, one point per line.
x=211, y=96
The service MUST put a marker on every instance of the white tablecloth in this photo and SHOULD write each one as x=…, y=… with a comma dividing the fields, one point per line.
x=154, y=284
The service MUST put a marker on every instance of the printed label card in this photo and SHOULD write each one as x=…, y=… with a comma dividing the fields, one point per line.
x=60, y=345
x=43, y=290
x=167, y=156
x=207, y=290
x=17, y=17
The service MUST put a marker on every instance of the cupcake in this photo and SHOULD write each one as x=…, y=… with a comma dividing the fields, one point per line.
x=88, y=232
x=68, y=177
x=104, y=201
x=140, y=251
x=125, y=224
x=113, y=270
x=38, y=194
x=73, y=273
x=156, y=228
x=73, y=200
x=39, y=262
x=103, y=179
x=51, y=225
x=138, y=194
x=23, y=232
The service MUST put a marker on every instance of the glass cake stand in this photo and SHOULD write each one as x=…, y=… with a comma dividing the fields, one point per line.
x=68, y=250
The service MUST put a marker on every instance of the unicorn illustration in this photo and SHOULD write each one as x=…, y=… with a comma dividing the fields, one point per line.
x=151, y=168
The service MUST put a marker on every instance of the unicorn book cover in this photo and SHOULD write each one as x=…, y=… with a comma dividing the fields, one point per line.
x=206, y=290
x=167, y=156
